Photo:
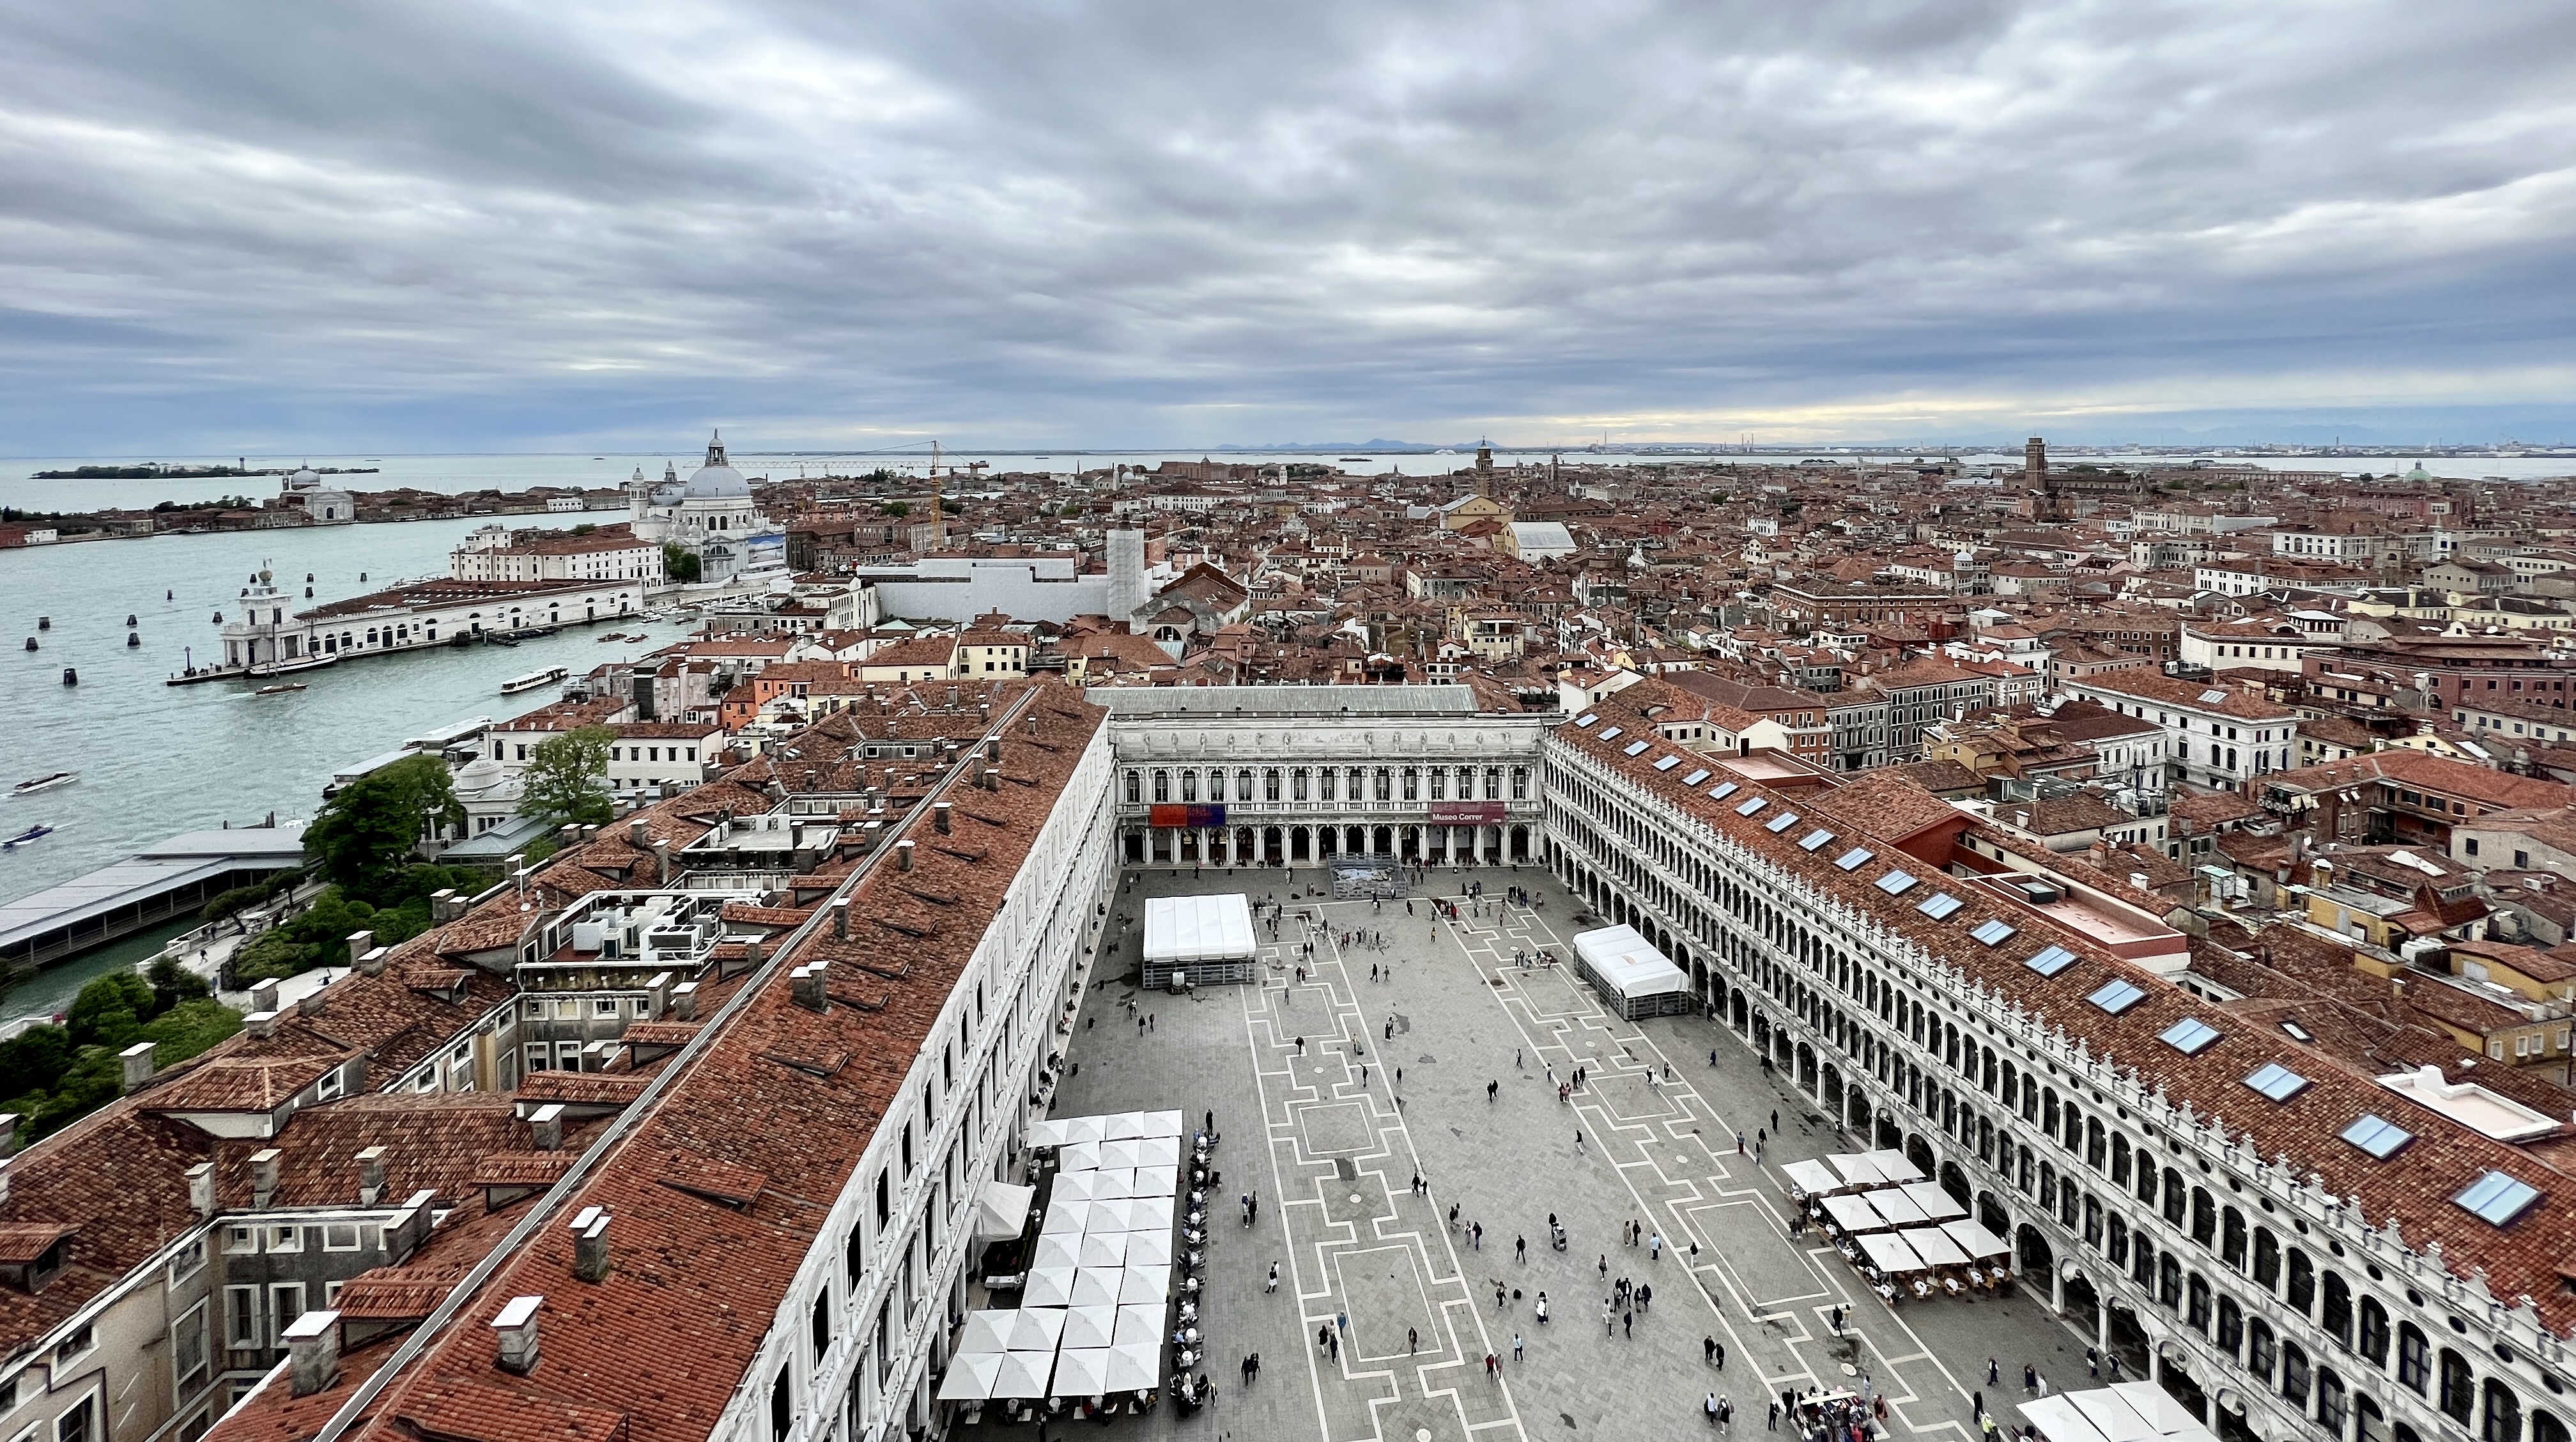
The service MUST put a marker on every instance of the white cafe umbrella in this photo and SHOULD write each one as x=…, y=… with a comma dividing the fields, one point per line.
x=1082, y=1373
x=1122, y=1126
x=1097, y=1286
x=1135, y=1367
x=1153, y=1181
x=1149, y=1249
x=1080, y=1157
x=1164, y=1124
x=1022, y=1374
x=1145, y=1284
x=1105, y=1249
x=1090, y=1327
x=1082, y=1129
x=1112, y=1183
x=1051, y=1287
x=970, y=1377
x=1114, y=1155
x=1058, y=1249
x=1065, y=1214
x=1158, y=1152
x=987, y=1331
x=1140, y=1323
x=1046, y=1133
x=1076, y=1186
x=1035, y=1329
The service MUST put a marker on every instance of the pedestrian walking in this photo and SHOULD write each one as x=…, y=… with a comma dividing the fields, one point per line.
x=1491, y=1088
x=1994, y=1373
x=1976, y=1405
x=1838, y=1321
x=1493, y=1365
x=1605, y=1266
x=1516, y=1059
x=1516, y=1348
x=1520, y=1250
x=1477, y=1229
x=1645, y=1296
x=1771, y=1422
x=1609, y=1318
x=1655, y=1247
x=2030, y=1379
x=1274, y=1278
x=1710, y=1407
x=1412, y=1341
x=1336, y=1340
x=1578, y=1139
x=1628, y=1320
x=1453, y=1216
x=1708, y=1351
x=1739, y=1144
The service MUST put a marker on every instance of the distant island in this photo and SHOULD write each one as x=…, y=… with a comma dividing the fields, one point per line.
x=152, y=472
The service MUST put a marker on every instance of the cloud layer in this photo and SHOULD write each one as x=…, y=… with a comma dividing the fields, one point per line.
x=269, y=226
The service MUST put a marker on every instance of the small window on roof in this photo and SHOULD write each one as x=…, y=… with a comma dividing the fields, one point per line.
x=2276, y=1081
x=2497, y=1198
x=2052, y=961
x=1668, y=763
x=1722, y=790
x=2190, y=1036
x=1993, y=931
x=1696, y=777
x=1781, y=822
x=1814, y=839
x=1853, y=859
x=1750, y=805
x=2377, y=1135
x=1895, y=883
x=1940, y=906
x=2116, y=997
x=2297, y=1032
x=1610, y=734
x=1587, y=718
x=1635, y=747
x=2212, y=696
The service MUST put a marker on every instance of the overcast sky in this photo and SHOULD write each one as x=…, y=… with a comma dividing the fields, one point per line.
x=455, y=225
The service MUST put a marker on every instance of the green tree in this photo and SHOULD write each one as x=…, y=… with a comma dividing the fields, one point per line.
x=679, y=563
x=173, y=984
x=896, y=509
x=364, y=836
x=567, y=778
x=110, y=1010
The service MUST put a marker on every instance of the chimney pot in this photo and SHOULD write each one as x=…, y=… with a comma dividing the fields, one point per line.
x=636, y=835
x=515, y=1329
x=684, y=1001
x=360, y=943
x=903, y=856
x=590, y=1245
x=201, y=1189
x=546, y=1128
x=841, y=918
x=263, y=997
x=261, y=1024
x=263, y=1177
x=310, y=1003
x=373, y=963
x=313, y=1351
x=371, y=1176
x=939, y=821
x=138, y=1066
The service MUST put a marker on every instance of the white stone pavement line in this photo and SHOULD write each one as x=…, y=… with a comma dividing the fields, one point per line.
x=1403, y=1128
x=1303, y=1095
x=1896, y=1401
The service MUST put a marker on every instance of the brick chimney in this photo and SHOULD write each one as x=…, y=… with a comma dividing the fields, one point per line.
x=841, y=918
x=903, y=856
x=805, y=987
x=263, y=996
x=515, y=1330
x=939, y=817
x=262, y=1024
x=373, y=963
x=684, y=1001
x=313, y=1351
x=636, y=835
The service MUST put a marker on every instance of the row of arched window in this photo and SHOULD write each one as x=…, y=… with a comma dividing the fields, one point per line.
x=1166, y=785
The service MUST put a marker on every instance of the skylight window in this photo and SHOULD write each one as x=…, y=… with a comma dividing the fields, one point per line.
x=2051, y=961
x=2277, y=1081
x=2116, y=997
x=1814, y=839
x=1722, y=790
x=2497, y=1198
x=1853, y=859
x=1587, y=718
x=1781, y=822
x=1635, y=748
x=2212, y=696
x=1993, y=931
x=2377, y=1135
x=1668, y=763
x=2190, y=1036
x=1696, y=777
x=1895, y=883
x=1610, y=734
x=1940, y=906
x=2297, y=1032
x=1750, y=805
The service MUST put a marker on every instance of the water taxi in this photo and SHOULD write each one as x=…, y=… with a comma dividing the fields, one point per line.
x=300, y=663
x=279, y=690
x=32, y=833
x=48, y=782
x=533, y=680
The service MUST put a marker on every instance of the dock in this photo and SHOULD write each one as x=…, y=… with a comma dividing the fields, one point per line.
x=169, y=879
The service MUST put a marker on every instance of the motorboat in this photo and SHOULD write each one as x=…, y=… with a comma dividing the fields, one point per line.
x=34, y=784
x=32, y=833
x=300, y=663
x=533, y=680
x=279, y=690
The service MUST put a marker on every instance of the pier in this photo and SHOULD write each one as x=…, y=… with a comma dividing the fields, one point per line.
x=165, y=880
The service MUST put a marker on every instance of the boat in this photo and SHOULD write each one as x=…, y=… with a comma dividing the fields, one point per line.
x=495, y=638
x=288, y=668
x=533, y=680
x=612, y=636
x=279, y=690
x=1364, y=460
x=33, y=785
x=32, y=833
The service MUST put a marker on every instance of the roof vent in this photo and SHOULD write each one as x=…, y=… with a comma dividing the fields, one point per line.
x=313, y=1351
x=516, y=1330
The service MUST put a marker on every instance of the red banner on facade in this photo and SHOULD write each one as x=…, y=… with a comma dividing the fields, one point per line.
x=1166, y=814
x=1465, y=813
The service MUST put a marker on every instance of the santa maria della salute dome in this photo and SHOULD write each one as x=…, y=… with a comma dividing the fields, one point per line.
x=713, y=515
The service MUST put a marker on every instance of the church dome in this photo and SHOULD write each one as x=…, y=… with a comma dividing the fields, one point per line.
x=478, y=774
x=716, y=481
x=305, y=479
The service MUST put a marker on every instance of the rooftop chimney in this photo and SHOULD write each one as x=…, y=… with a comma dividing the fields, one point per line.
x=201, y=1189
x=263, y=996
x=841, y=918
x=662, y=862
x=371, y=1176
x=806, y=988
x=311, y=1002
x=9, y=1134
x=684, y=1001
x=939, y=817
x=545, y=1127
x=991, y=779
x=903, y=856
x=262, y=1024
x=4, y=1182
x=636, y=835
x=443, y=906
x=313, y=1351
x=138, y=1067
x=263, y=1177
x=373, y=963
x=516, y=1330
x=516, y=864
x=360, y=943
x=590, y=1245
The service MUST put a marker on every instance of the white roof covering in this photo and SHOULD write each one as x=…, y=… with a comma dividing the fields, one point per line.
x=2121, y=1412
x=1149, y=1249
x=970, y=1377
x=1156, y=1181
x=1090, y=1327
x=1057, y=1250
x=1023, y=1374
x=1097, y=1286
x=1975, y=1240
x=1890, y=1202
x=1135, y=1366
x=1888, y=1252
x=1186, y=929
x=1048, y=1287
x=1105, y=1249
x=1141, y=1322
x=1934, y=1247
x=1082, y=1372
x=986, y=1331
x=1813, y=1178
x=1049, y=1133
x=1855, y=1168
x=1001, y=1210
x=1035, y=1329
x=1628, y=962
x=1853, y=1214
x=1937, y=1204
x=1893, y=1166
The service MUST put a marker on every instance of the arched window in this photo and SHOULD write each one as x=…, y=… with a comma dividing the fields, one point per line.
x=1270, y=784
x=1385, y=784
x=2169, y=1282
x=2142, y=1260
x=2545, y=1427
x=2374, y=1331
x=1162, y=786
x=1520, y=783
x=2204, y=1217
x=2336, y=1318
x=2303, y=1282
x=2146, y=1180
x=1189, y=786
x=2334, y=1405
x=2261, y=1348
x=1326, y=777
x=1439, y=783
x=2267, y=1258
x=2176, y=1200
x=2458, y=1399
x=2231, y=1238
x=2196, y=1303
x=2231, y=1325
x=2414, y=1357
x=2294, y=1374
x=2119, y=1161
x=1135, y=788
x=2501, y=1420
x=1297, y=784
x=2094, y=1143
